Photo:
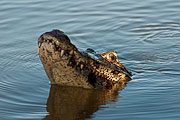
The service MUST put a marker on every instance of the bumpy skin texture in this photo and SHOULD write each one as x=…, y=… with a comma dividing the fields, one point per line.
x=66, y=65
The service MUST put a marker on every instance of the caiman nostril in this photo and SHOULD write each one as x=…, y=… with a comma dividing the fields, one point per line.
x=56, y=32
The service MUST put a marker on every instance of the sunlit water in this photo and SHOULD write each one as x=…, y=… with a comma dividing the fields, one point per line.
x=145, y=34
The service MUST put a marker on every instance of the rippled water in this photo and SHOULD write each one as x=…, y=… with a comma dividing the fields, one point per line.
x=146, y=35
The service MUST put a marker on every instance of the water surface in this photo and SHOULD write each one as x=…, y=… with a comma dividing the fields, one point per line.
x=145, y=34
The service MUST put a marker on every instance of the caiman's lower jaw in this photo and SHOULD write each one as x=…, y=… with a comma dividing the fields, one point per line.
x=65, y=65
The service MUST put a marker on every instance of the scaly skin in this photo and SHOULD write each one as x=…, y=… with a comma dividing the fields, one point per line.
x=66, y=65
x=112, y=58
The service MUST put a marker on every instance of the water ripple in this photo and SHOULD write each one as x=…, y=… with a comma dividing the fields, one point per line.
x=145, y=35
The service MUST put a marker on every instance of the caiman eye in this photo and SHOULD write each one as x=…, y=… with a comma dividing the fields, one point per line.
x=111, y=57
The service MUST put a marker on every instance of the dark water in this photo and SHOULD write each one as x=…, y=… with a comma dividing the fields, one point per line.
x=145, y=33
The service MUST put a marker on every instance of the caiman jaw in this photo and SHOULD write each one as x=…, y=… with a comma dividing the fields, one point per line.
x=65, y=65
x=62, y=61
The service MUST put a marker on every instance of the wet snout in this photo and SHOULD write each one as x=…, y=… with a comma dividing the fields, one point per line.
x=55, y=40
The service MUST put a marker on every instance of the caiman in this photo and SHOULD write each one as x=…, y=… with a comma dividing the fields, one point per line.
x=66, y=65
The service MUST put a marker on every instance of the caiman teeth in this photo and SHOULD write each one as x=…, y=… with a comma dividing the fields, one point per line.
x=71, y=52
x=81, y=66
x=62, y=52
x=77, y=63
x=57, y=43
x=39, y=44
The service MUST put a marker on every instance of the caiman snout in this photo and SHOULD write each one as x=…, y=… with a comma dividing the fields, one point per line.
x=57, y=39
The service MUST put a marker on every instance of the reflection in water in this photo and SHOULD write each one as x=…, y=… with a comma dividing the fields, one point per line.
x=144, y=33
x=67, y=103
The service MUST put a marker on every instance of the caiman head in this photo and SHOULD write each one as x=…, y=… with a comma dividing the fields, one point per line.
x=66, y=65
